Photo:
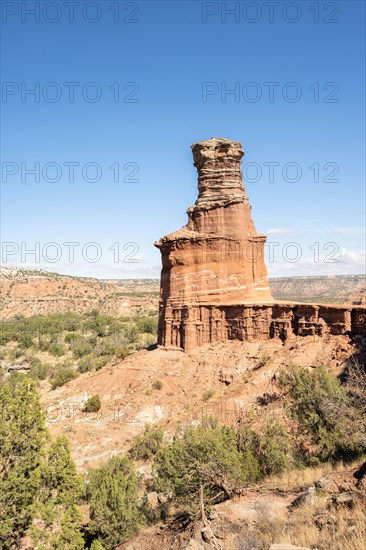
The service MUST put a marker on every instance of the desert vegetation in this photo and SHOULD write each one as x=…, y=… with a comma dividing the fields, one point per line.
x=310, y=423
x=59, y=347
x=39, y=487
x=43, y=500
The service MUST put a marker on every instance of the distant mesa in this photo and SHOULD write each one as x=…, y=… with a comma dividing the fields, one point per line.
x=214, y=284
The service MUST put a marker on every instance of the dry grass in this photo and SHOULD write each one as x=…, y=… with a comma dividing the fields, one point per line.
x=318, y=526
x=295, y=480
x=311, y=526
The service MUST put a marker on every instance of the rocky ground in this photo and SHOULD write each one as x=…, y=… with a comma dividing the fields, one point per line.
x=227, y=381
x=169, y=388
x=324, y=513
x=319, y=508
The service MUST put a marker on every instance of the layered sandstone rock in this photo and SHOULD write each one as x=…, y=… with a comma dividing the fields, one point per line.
x=214, y=284
x=191, y=326
x=218, y=257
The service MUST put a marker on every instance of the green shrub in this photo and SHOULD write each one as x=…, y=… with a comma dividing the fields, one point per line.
x=40, y=370
x=56, y=349
x=147, y=325
x=72, y=322
x=97, y=323
x=202, y=458
x=271, y=446
x=263, y=360
x=112, y=494
x=23, y=435
x=62, y=376
x=92, y=340
x=25, y=340
x=147, y=444
x=100, y=362
x=122, y=353
x=93, y=404
x=247, y=439
x=85, y=364
x=115, y=327
x=15, y=378
x=207, y=395
x=58, y=520
x=70, y=337
x=5, y=335
x=251, y=466
x=131, y=332
x=81, y=347
x=43, y=343
x=274, y=452
x=328, y=424
x=15, y=353
x=107, y=347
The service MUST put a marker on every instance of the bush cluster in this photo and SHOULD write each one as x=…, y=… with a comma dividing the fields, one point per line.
x=147, y=444
x=93, y=404
x=87, y=341
x=203, y=464
x=330, y=420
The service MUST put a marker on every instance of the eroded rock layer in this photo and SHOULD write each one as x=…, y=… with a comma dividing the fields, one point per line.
x=191, y=326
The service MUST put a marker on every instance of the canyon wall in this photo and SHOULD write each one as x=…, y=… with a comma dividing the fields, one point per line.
x=214, y=285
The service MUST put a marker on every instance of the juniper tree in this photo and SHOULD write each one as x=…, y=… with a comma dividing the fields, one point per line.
x=203, y=461
x=23, y=435
x=58, y=517
x=112, y=492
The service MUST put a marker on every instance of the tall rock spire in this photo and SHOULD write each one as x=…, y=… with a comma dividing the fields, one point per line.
x=218, y=257
x=214, y=284
x=220, y=186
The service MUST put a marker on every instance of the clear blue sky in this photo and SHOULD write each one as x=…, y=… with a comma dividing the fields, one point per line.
x=168, y=53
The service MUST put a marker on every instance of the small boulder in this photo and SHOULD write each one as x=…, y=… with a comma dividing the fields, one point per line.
x=326, y=485
x=308, y=497
x=226, y=376
x=360, y=475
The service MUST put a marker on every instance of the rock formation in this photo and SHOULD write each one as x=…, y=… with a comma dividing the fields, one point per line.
x=218, y=257
x=214, y=284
